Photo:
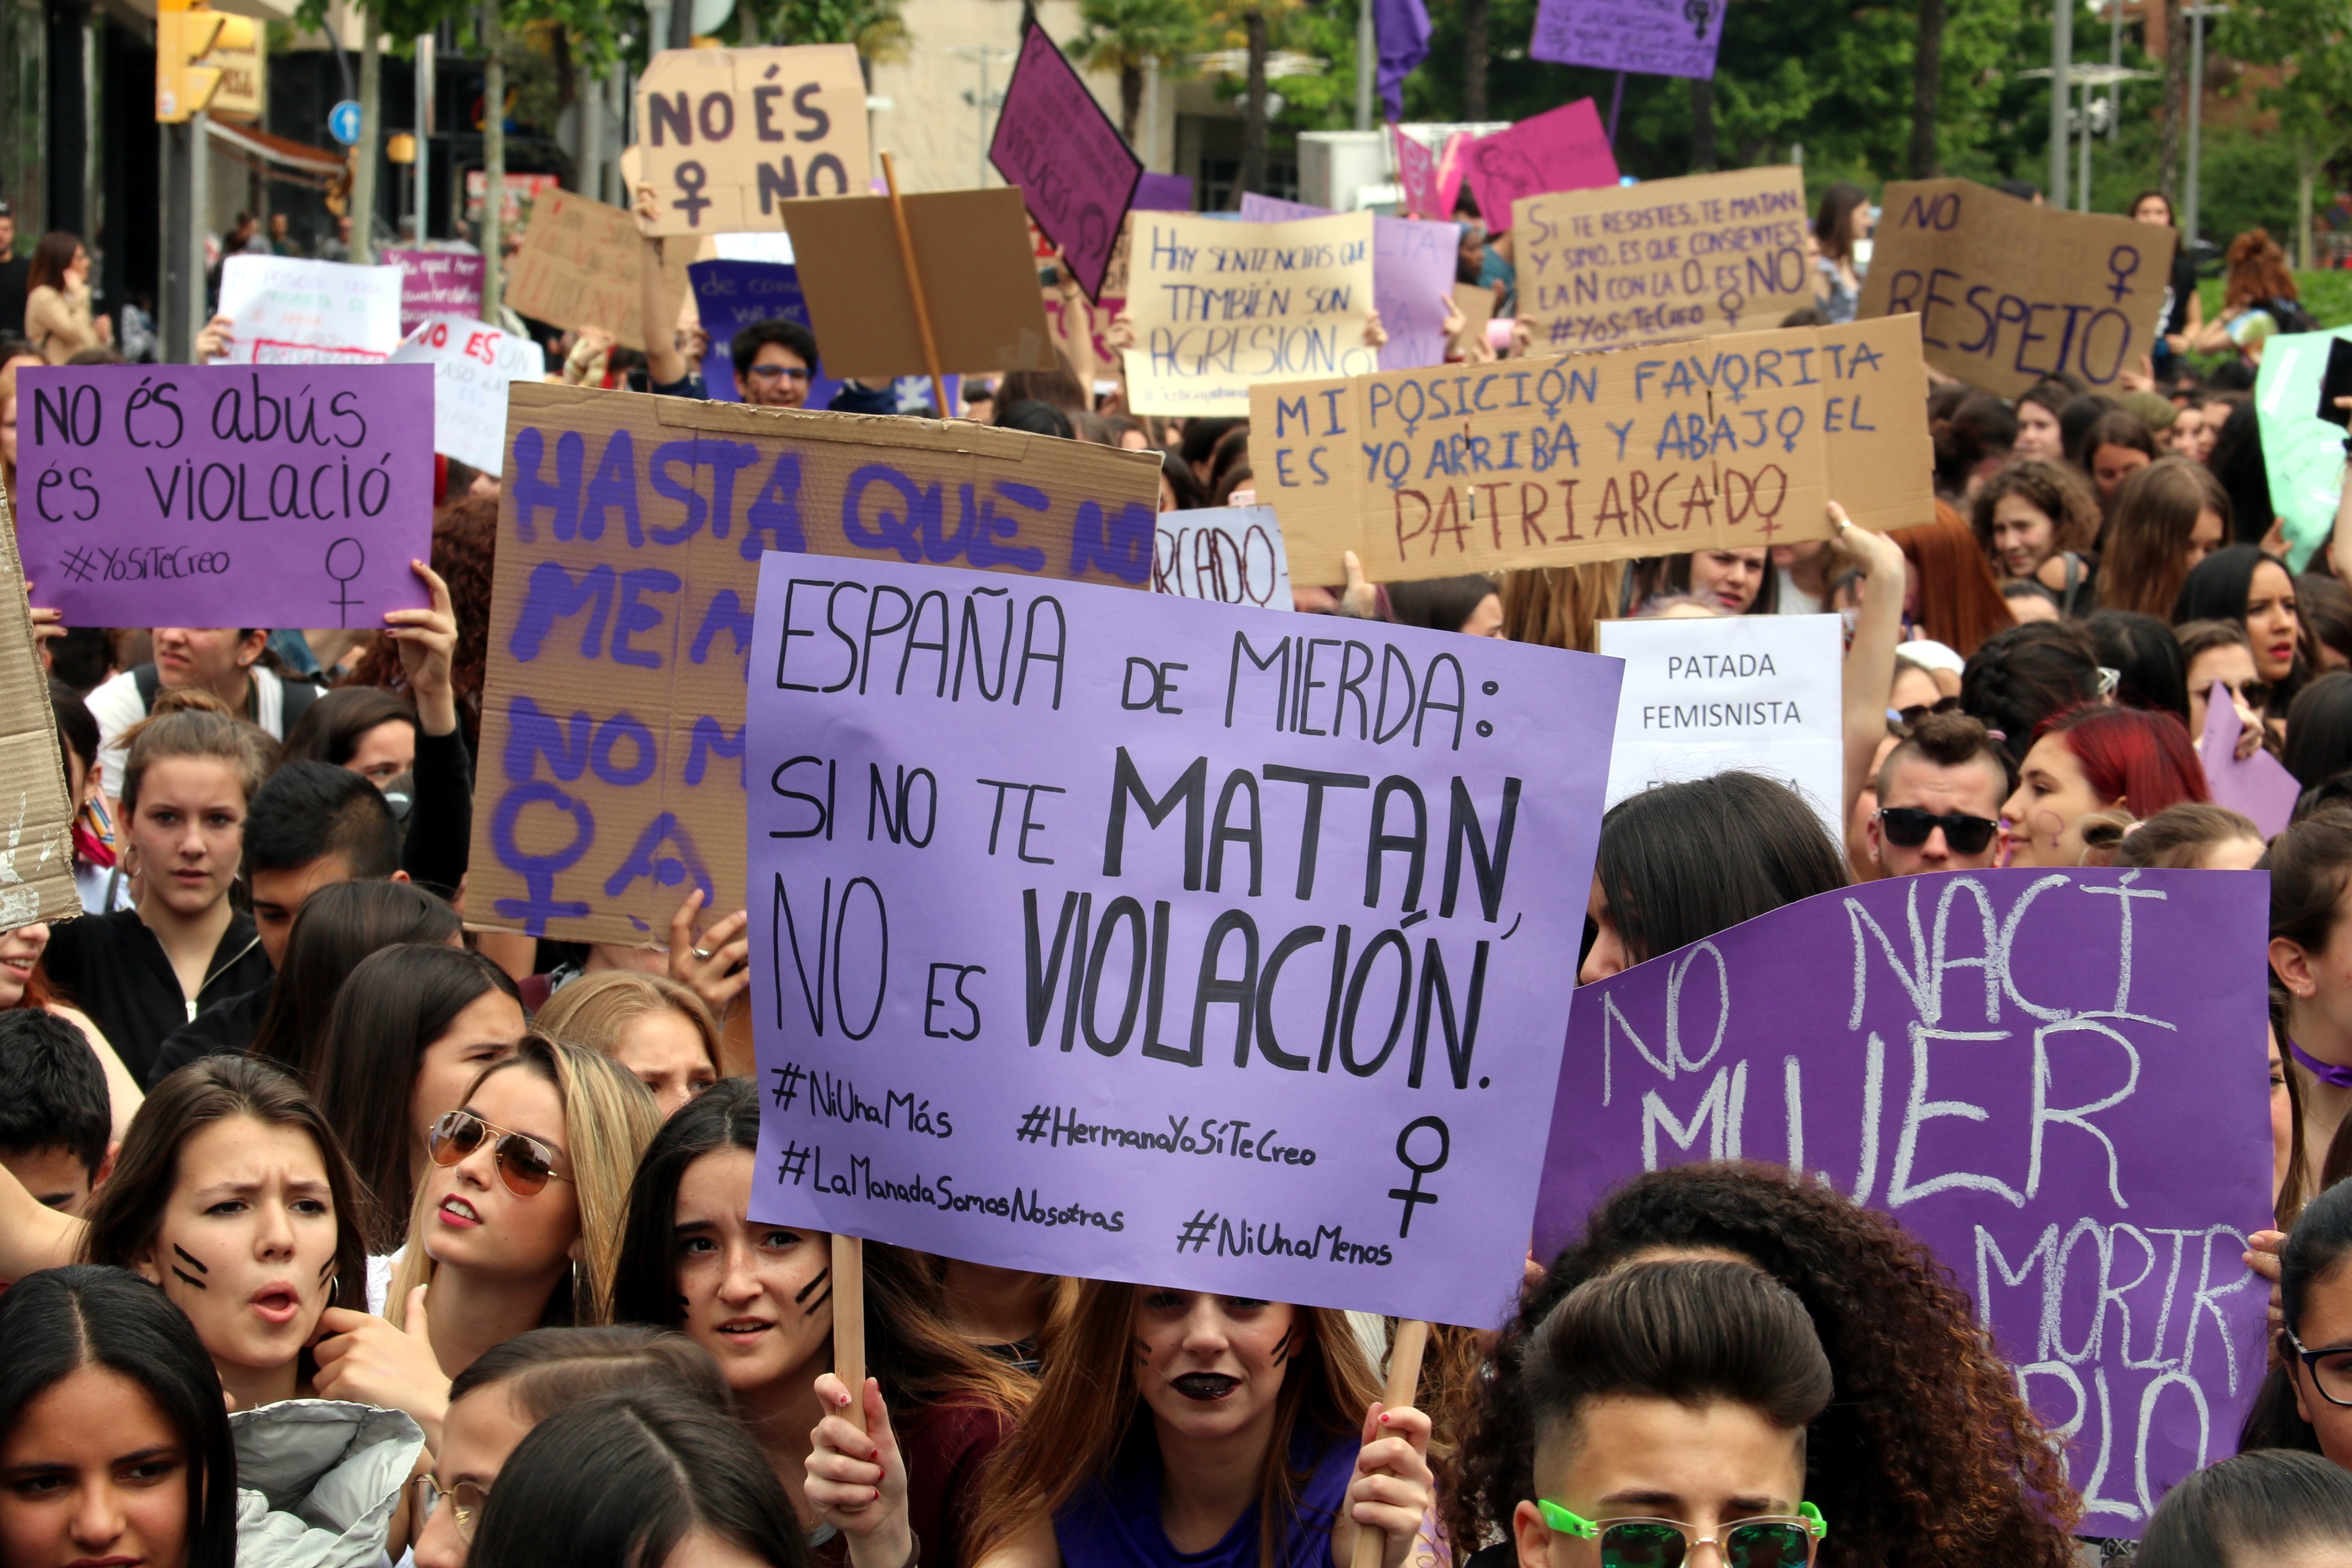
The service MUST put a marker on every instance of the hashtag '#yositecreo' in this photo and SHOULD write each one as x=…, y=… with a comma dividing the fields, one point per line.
x=788, y=1084
x=1033, y=1124
x=1197, y=1231
x=793, y=1165
x=1562, y=331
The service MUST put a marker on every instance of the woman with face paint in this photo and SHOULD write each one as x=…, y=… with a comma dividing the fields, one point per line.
x=1170, y=1427
x=759, y=1298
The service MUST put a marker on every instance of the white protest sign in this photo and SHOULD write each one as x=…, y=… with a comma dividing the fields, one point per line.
x=473, y=365
x=1232, y=554
x=291, y=312
x=1707, y=695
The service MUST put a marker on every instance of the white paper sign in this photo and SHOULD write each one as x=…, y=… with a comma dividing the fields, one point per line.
x=473, y=363
x=1705, y=695
x=290, y=311
x=773, y=248
x=1232, y=554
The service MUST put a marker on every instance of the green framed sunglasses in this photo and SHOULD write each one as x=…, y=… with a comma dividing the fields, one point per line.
x=1773, y=1541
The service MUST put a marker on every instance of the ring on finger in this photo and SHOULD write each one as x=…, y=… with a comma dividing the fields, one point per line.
x=702, y=953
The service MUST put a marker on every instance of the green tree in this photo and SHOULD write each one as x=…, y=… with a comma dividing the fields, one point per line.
x=1255, y=27
x=874, y=26
x=1127, y=35
x=2308, y=46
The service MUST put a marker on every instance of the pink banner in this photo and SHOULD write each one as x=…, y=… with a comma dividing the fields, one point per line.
x=1564, y=149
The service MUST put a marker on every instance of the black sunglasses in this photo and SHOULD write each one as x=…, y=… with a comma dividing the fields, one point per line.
x=1909, y=826
x=1907, y=717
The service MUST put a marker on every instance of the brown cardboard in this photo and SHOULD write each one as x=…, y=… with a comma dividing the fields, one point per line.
x=980, y=279
x=1663, y=259
x=727, y=137
x=2008, y=292
x=1478, y=307
x=1733, y=441
x=1221, y=307
x=668, y=713
x=578, y=268
x=35, y=811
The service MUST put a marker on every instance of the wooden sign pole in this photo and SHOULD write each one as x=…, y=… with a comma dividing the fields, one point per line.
x=915, y=287
x=849, y=1318
x=1404, y=1384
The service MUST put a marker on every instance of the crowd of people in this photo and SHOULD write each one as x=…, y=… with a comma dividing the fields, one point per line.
x=340, y=1233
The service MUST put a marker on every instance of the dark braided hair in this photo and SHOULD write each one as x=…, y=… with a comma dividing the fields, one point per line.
x=1928, y=1456
x=2019, y=677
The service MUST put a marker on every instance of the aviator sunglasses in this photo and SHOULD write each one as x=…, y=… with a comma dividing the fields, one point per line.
x=525, y=1164
x=1771, y=1541
x=1909, y=826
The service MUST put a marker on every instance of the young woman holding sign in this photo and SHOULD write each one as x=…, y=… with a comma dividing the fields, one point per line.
x=759, y=1298
x=1170, y=1427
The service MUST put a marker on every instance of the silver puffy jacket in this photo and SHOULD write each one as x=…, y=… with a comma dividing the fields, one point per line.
x=317, y=1481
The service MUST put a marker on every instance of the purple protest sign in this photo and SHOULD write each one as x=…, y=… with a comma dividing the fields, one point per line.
x=1097, y=933
x=1562, y=148
x=733, y=295
x=1660, y=38
x=1075, y=172
x=1413, y=277
x=225, y=495
x=437, y=283
x=2055, y=1079
x=1163, y=193
x=2258, y=784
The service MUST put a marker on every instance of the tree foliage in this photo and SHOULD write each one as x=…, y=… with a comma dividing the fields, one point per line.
x=2307, y=47
x=1128, y=35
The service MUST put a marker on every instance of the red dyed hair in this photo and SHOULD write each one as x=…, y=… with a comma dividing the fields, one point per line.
x=1959, y=603
x=2142, y=757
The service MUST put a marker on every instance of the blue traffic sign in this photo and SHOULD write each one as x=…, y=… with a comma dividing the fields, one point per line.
x=343, y=122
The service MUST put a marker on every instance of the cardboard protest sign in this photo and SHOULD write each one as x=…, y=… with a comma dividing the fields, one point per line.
x=2258, y=784
x=36, y=872
x=1562, y=148
x=1663, y=259
x=1882, y=470
x=1762, y=693
x=437, y=283
x=1477, y=308
x=2302, y=453
x=1221, y=307
x=1413, y=265
x=1656, y=38
x=2008, y=292
x=291, y=312
x=220, y=496
x=728, y=136
x=473, y=363
x=629, y=534
x=1055, y=145
x=578, y=269
x=1290, y=1086
x=972, y=250
x=2053, y=1078
x=1730, y=442
x=1229, y=555
x=733, y=295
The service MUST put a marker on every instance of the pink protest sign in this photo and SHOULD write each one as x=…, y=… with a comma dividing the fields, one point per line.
x=1563, y=149
x=437, y=283
x=1075, y=172
x=1660, y=38
x=226, y=496
x=1155, y=938
x=1417, y=172
x=2055, y=1079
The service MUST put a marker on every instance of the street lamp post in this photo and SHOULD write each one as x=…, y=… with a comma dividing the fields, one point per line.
x=2061, y=94
x=2196, y=15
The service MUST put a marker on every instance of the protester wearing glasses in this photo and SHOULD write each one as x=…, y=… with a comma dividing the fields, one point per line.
x=2094, y=760
x=1939, y=795
x=2310, y=1406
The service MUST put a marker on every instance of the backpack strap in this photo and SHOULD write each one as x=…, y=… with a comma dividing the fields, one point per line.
x=148, y=682
x=295, y=695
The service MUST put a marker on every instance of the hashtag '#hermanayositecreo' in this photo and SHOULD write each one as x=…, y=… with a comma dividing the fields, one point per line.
x=1034, y=1122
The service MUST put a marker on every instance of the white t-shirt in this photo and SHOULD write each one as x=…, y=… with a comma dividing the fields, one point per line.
x=116, y=706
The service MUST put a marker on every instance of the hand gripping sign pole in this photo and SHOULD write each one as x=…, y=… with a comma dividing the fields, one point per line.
x=849, y=1319
x=915, y=287
x=1404, y=1383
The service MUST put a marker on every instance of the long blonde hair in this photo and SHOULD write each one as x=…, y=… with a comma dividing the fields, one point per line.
x=608, y=1119
x=1088, y=1401
x=595, y=1010
x=1561, y=606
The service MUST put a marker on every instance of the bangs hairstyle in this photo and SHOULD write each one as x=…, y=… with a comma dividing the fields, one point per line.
x=58, y=1321
x=608, y=1119
x=2146, y=561
x=187, y=721
x=1680, y=862
x=2141, y=758
x=920, y=1361
x=125, y=1214
x=339, y=926
x=2056, y=490
x=596, y=1010
x=1088, y=1404
x=1687, y=1329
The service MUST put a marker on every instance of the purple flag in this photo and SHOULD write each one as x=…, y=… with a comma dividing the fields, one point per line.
x=1403, y=29
x=225, y=495
x=1660, y=38
x=1070, y=954
x=2055, y=1079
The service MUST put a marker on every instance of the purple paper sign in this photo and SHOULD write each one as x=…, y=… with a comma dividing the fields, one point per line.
x=1163, y=193
x=1562, y=148
x=1151, y=938
x=733, y=295
x=1076, y=172
x=1413, y=277
x=225, y=495
x=2258, y=785
x=2055, y=1079
x=1659, y=37
x=437, y=283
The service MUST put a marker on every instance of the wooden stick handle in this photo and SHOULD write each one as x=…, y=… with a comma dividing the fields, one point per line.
x=1404, y=1383
x=915, y=287
x=849, y=1322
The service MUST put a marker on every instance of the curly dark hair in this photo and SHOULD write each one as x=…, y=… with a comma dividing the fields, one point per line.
x=1928, y=1456
x=464, y=547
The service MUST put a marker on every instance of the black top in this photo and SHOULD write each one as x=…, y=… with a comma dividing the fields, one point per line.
x=13, y=290
x=2184, y=288
x=441, y=820
x=226, y=1030
x=111, y=967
